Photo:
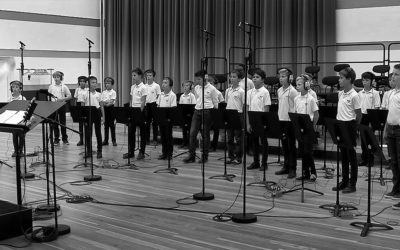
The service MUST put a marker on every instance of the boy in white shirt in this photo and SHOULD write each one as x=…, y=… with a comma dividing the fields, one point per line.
x=16, y=88
x=153, y=91
x=108, y=97
x=61, y=93
x=187, y=97
x=79, y=94
x=370, y=99
x=306, y=104
x=167, y=99
x=214, y=82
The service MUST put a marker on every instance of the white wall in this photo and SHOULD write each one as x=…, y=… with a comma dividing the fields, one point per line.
x=55, y=33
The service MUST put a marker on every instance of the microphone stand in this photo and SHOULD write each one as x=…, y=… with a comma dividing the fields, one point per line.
x=245, y=217
x=203, y=195
x=90, y=177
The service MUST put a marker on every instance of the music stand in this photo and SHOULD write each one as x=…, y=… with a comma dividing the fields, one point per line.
x=326, y=112
x=339, y=131
x=187, y=111
x=225, y=119
x=378, y=118
x=166, y=117
x=80, y=114
x=373, y=147
x=277, y=134
x=302, y=127
x=262, y=124
x=132, y=117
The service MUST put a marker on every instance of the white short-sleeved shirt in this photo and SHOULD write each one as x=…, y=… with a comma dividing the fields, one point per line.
x=393, y=117
x=385, y=99
x=250, y=84
x=347, y=105
x=210, y=96
x=59, y=91
x=369, y=100
x=166, y=100
x=153, y=90
x=187, y=98
x=80, y=94
x=257, y=99
x=286, y=102
x=137, y=92
x=108, y=95
x=219, y=96
x=305, y=104
x=14, y=98
x=95, y=99
x=234, y=98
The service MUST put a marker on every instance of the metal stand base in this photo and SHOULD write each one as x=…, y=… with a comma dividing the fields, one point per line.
x=203, y=196
x=28, y=176
x=337, y=208
x=244, y=218
x=92, y=178
x=367, y=226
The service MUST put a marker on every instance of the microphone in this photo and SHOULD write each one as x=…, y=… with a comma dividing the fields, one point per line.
x=207, y=32
x=22, y=44
x=249, y=24
x=89, y=41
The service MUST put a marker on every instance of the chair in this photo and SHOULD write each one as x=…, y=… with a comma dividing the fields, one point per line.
x=358, y=84
x=382, y=80
x=314, y=70
x=339, y=67
x=330, y=81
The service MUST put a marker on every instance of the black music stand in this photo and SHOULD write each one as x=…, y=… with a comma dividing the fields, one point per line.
x=80, y=114
x=261, y=124
x=373, y=147
x=167, y=116
x=132, y=117
x=378, y=118
x=326, y=112
x=225, y=119
x=277, y=134
x=339, y=131
x=302, y=127
x=187, y=111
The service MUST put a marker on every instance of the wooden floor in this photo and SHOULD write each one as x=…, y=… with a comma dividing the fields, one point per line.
x=155, y=221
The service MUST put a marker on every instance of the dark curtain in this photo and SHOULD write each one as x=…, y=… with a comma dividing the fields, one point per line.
x=166, y=35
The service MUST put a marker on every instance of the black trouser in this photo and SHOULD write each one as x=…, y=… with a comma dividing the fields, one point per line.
x=364, y=147
x=89, y=131
x=306, y=149
x=20, y=140
x=60, y=116
x=349, y=156
x=214, y=143
x=151, y=109
x=393, y=140
x=235, y=142
x=289, y=146
x=166, y=140
x=196, y=127
x=132, y=139
x=109, y=123
x=81, y=124
x=256, y=148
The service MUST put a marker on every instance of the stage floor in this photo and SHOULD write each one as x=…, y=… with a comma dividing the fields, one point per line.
x=148, y=216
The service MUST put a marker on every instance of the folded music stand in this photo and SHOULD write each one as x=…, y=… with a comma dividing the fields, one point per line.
x=378, y=119
x=373, y=147
x=187, y=111
x=339, y=131
x=262, y=124
x=302, y=127
x=324, y=113
x=225, y=119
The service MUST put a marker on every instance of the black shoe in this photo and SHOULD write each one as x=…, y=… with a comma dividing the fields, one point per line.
x=14, y=154
x=56, y=142
x=342, y=186
x=80, y=143
x=189, y=159
x=291, y=174
x=282, y=171
x=66, y=142
x=264, y=167
x=99, y=155
x=349, y=189
x=362, y=163
x=140, y=156
x=254, y=165
x=213, y=149
x=104, y=143
x=128, y=155
x=162, y=157
x=205, y=158
x=237, y=161
x=229, y=161
x=115, y=143
x=303, y=177
x=87, y=156
x=182, y=146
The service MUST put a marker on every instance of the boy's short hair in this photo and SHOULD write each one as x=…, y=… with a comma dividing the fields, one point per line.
x=92, y=78
x=242, y=66
x=200, y=73
x=82, y=78
x=150, y=71
x=109, y=78
x=170, y=81
x=348, y=73
x=284, y=70
x=59, y=73
x=188, y=81
x=260, y=72
x=368, y=75
x=238, y=72
x=16, y=82
x=250, y=71
x=137, y=71
x=213, y=78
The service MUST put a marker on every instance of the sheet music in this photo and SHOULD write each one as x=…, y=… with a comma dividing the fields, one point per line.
x=6, y=115
x=12, y=117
